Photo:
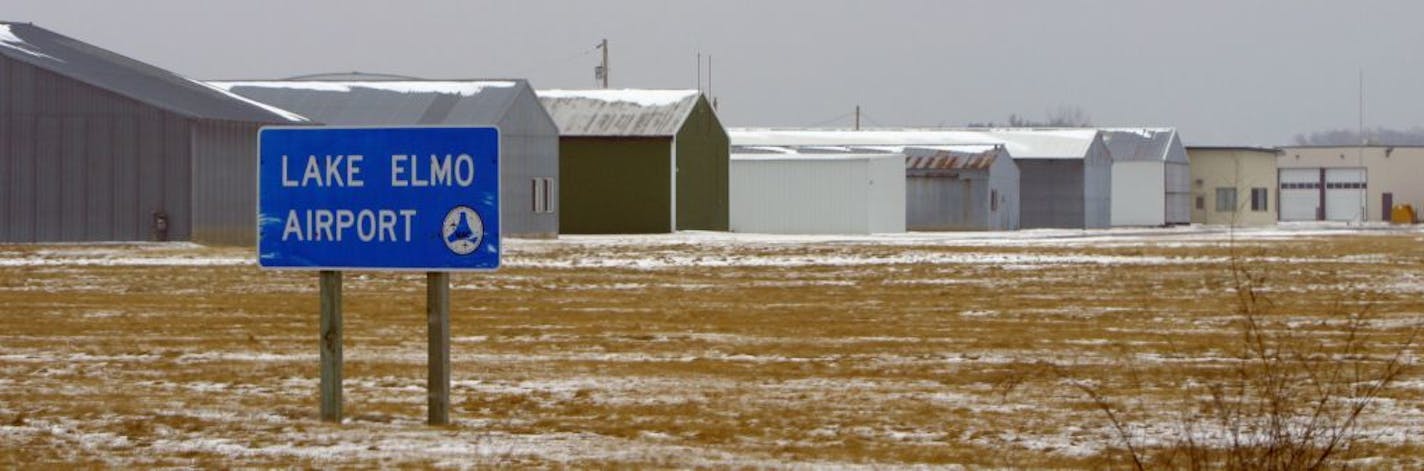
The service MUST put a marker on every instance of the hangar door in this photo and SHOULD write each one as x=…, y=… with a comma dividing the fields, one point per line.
x=1300, y=194
x=1345, y=194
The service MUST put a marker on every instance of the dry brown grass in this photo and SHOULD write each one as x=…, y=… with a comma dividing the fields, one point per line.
x=691, y=365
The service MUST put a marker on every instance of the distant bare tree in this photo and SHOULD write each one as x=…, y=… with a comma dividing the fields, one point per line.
x=1064, y=116
x=1350, y=137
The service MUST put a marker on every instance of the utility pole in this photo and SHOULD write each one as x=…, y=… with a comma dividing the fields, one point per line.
x=602, y=71
x=857, y=117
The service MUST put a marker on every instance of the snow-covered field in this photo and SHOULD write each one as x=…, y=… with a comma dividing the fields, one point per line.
x=689, y=349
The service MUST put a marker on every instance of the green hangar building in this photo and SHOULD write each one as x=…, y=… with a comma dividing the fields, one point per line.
x=639, y=161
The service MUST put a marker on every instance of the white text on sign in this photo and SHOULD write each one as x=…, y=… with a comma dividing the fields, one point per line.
x=366, y=225
x=405, y=170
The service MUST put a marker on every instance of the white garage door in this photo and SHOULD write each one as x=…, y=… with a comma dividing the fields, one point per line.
x=1300, y=194
x=1345, y=194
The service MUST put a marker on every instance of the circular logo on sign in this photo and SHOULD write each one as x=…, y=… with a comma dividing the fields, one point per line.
x=463, y=230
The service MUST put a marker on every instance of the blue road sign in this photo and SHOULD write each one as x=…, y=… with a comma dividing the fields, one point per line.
x=398, y=198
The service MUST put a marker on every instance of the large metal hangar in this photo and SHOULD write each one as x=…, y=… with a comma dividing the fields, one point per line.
x=827, y=192
x=96, y=146
x=1064, y=174
x=639, y=161
x=529, y=140
x=1150, y=177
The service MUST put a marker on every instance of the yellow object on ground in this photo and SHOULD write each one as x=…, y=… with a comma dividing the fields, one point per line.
x=1402, y=214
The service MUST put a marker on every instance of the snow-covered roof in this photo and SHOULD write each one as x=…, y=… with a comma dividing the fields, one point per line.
x=1268, y=150
x=763, y=150
x=626, y=112
x=130, y=78
x=796, y=156
x=386, y=102
x=1020, y=143
x=1144, y=144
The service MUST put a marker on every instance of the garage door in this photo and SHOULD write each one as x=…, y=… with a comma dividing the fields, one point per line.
x=1300, y=194
x=1345, y=194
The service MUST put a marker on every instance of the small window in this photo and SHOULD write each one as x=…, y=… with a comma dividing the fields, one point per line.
x=548, y=195
x=1201, y=202
x=542, y=195
x=1259, y=199
x=1225, y=200
x=993, y=200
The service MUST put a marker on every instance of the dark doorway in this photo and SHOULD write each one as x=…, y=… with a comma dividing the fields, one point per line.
x=1387, y=206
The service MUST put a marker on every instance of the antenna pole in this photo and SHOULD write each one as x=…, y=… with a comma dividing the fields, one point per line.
x=857, y=117
x=709, y=78
x=699, y=72
x=604, y=46
x=1363, y=140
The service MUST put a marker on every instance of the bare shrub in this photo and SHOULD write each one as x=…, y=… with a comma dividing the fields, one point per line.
x=1292, y=398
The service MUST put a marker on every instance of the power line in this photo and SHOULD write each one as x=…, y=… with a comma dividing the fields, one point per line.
x=540, y=66
x=832, y=120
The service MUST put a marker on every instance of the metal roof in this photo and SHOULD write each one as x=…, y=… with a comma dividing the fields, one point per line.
x=387, y=102
x=797, y=156
x=130, y=78
x=637, y=113
x=932, y=158
x=951, y=157
x=1020, y=143
x=1144, y=144
x=1270, y=150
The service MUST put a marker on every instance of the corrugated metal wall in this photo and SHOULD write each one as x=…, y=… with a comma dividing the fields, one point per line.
x=529, y=144
x=83, y=164
x=963, y=202
x=615, y=185
x=702, y=152
x=1097, y=186
x=948, y=203
x=1004, y=180
x=1051, y=193
x=818, y=196
x=1179, y=193
x=224, y=182
x=1179, y=183
x=1139, y=195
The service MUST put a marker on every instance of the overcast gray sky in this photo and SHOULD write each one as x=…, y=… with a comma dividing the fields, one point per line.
x=1223, y=71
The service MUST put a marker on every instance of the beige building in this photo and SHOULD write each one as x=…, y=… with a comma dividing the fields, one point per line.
x=1349, y=183
x=1233, y=185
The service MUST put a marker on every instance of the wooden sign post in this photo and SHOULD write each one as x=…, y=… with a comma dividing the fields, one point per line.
x=437, y=312
x=330, y=346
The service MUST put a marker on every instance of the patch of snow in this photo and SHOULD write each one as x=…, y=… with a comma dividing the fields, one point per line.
x=10, y=40
x=126, y=261
x=634, y=96
x=448, y=87
x=288, y=115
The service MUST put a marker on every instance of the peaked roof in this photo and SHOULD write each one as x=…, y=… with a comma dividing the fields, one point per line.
x=921, y=157
x=130, y=78
x=386, y=102
x=619, y=112
x=1144, y=144
x=1021, y=143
